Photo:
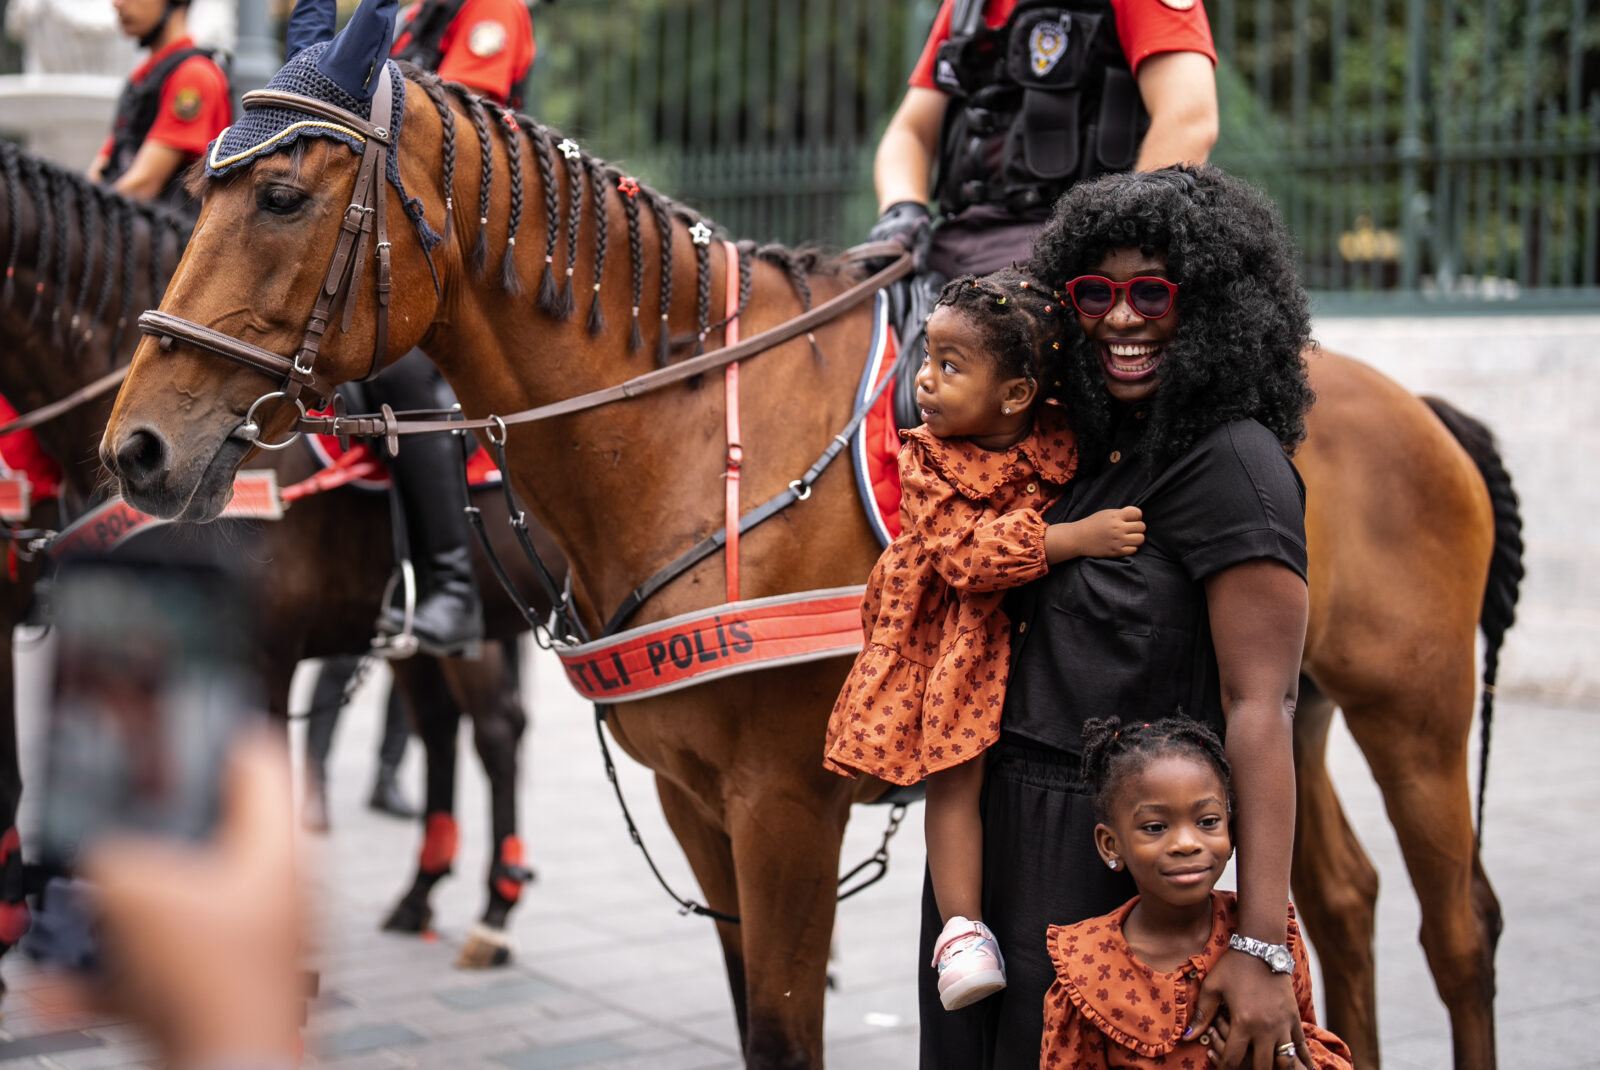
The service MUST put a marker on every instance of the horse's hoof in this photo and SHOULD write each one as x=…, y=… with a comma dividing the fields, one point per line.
x=409, y=918
x=485, y=948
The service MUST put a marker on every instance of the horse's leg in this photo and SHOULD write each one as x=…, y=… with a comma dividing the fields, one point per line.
x=13, y=910
x=1335, y=884
x=710, y=855
x=1416, y=744
x=786, y=837
x=488, y=690
x=434, y=712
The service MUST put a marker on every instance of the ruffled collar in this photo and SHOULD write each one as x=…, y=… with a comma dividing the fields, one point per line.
x=1137, y=1007
x=1050, y=450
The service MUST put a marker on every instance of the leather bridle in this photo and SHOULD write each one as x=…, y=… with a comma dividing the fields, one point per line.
x=365, y=215
x=364, y=218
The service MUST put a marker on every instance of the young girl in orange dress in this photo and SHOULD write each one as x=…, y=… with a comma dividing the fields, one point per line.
x=923, y=700
x=1127, y=983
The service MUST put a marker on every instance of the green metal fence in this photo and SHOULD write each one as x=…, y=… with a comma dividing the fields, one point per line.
x=764, y=115
x=1439, y=153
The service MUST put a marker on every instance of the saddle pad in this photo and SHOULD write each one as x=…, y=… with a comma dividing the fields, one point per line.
x=481, y=470
x=875, y=449
x=27, y=473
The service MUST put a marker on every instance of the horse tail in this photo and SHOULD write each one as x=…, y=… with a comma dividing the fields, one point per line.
x=1505, y=564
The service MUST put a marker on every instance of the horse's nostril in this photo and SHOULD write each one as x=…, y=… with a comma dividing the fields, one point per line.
x=142, y=457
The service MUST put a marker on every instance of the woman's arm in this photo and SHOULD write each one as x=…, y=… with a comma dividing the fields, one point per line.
x=1258, y=612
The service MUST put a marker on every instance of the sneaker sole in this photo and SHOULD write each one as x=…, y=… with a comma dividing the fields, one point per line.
x=970, y=990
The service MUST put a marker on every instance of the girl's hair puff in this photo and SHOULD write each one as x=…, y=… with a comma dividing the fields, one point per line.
x=1021, y=318
x=1112, y=752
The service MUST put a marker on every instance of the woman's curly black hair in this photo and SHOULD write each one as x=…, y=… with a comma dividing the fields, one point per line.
x=1113, y=751
x=1020, y=318
x=1242, y=316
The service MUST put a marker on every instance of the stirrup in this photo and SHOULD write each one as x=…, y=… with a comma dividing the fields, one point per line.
x=402, y=644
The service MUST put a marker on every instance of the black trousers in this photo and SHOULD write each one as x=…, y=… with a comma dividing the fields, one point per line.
x=1040, y=868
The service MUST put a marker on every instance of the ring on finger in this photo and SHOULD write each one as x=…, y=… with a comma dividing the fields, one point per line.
x=1287, y=1050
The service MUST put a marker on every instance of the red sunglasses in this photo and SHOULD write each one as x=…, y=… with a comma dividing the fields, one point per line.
x=1095, y=295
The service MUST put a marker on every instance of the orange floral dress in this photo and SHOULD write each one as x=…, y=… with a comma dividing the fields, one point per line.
x=1108, y=1009
x=926, y=690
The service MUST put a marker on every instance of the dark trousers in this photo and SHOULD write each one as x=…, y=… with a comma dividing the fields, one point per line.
x=1040, y=868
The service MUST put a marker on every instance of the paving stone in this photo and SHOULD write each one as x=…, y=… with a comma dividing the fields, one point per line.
x=577, y=1053
x=365, y=1038
x=478, y=997
x=47, y=1044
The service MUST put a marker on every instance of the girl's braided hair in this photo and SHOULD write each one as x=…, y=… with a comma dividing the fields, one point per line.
x=1112, y=752
x=1020, y=318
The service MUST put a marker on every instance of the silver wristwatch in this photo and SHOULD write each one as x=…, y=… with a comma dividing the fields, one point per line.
x=1276, y=956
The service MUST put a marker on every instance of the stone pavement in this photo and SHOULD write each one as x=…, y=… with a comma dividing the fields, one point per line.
x=608, y=975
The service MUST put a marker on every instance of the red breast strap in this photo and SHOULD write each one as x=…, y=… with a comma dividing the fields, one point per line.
x=735, y=447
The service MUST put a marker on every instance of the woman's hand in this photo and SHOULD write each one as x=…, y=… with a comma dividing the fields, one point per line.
x=1262, y=1014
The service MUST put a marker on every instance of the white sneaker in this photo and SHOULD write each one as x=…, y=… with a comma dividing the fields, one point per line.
x=969, y=962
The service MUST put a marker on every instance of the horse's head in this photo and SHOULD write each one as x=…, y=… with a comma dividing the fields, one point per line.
x=306, y=218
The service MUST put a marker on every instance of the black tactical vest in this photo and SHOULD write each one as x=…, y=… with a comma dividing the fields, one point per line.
x=137, y=109
x=1037, y=105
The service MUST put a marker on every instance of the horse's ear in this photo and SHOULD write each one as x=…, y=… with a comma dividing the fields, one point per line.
x=311, y=22
x=358, y=53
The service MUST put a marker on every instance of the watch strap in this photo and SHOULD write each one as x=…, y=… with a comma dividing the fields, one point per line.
x=1271, y=954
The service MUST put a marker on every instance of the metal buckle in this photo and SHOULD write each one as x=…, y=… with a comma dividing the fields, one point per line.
x=250, y=431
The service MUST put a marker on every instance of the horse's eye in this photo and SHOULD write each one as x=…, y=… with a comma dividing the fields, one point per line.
x=281, y=200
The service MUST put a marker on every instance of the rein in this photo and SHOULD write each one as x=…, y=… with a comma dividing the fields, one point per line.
x=45, y=413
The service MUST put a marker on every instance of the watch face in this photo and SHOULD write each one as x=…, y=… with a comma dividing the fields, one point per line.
x=1280, y=960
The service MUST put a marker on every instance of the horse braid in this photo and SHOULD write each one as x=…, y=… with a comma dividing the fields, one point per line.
x=129, y=267
x=702, y=296
x=630, y=209
x=86, y=217
x=664, y=230
x=508, y=263
x=447, y=118
x=13, y=174
x=549, y=297
x=480, y=247
x=566, y=301
x=45, y=221
x=109, y=213
x=597, y=186
x=62, y=187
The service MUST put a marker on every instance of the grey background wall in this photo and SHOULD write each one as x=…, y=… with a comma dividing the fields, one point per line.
x=1536, y=381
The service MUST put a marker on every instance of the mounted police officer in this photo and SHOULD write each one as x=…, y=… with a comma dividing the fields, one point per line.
x=1017, y=100
x=487, y=46
x=171, y=107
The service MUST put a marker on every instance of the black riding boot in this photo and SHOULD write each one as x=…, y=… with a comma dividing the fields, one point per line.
x=432, y=483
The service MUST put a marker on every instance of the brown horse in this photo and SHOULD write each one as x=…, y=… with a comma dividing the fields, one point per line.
x=84, y=262
x=1401, y=526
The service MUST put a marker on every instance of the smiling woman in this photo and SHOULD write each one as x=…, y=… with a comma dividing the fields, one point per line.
x=1185, y=416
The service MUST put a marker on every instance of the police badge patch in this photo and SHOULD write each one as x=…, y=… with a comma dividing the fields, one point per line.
x=488, y=38
x=186, y=105
x=1047, y=44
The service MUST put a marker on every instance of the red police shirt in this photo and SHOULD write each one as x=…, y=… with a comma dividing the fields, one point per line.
x=488, y=46
x=195, y=104
x=1145, y=28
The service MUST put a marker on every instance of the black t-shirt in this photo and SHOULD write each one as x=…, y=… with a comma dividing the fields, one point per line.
x=1130, y=636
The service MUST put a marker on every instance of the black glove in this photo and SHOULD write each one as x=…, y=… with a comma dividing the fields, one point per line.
x=906, y=222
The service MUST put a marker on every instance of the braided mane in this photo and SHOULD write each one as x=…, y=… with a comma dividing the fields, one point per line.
x=556, y=298
x=107, y=225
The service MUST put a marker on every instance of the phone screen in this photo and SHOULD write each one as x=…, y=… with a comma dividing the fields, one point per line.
x=150, y=686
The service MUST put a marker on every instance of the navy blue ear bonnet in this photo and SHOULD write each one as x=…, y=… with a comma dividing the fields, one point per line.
x=341, y=72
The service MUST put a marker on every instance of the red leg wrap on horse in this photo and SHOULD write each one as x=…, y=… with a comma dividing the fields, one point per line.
x=14, y=921
x=9, y=842
x=438, y=844
x=510, y=859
